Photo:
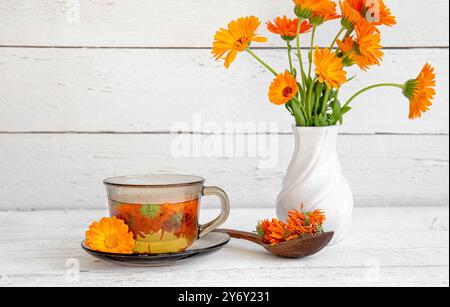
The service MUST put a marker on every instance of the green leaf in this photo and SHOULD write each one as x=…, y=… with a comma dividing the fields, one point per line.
x=317, y=121
x=351, y=78
x=298, y=114
x=318, y=93
x=345, y=109
x=302, y=94
x=289, y=107
x=304, y=78
x=260, y=230
x=336, y=115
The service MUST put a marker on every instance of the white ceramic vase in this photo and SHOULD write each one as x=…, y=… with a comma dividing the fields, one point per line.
x=314, y=179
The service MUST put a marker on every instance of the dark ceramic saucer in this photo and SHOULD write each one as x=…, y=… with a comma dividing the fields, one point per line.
x=210, y=243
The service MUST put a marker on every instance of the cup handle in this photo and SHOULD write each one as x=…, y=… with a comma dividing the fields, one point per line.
x=225, y=210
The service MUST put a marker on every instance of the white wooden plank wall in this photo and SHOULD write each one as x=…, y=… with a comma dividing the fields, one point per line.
x=94, y=92
x=67, y=90
x=187, y=23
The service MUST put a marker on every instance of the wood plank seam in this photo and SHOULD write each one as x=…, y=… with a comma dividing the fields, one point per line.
x=207, y=133
x=196, y=48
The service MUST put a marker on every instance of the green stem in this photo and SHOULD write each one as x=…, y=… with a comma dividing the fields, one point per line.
x=308, y=99
x=316, y=103
x=348, y=33
x=299, y=54
x=372, y=87
x=262, y=62
x=345, y=56
x=337, y=93
x=337, y=37
x=325, y=100
x=289, y=107
x=302, y=107
x=313, y=34
x=289, y=48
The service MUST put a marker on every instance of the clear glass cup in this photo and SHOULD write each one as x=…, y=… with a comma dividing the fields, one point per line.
x=162, y=211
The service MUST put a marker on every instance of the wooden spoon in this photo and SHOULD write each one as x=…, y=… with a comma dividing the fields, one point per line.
x=297, y=248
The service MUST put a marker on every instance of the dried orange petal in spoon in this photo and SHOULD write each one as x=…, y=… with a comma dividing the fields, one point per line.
x=298, y=225
x=300, y=236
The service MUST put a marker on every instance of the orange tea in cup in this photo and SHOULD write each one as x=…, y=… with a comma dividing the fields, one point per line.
x=160, y=228
x=162, y=211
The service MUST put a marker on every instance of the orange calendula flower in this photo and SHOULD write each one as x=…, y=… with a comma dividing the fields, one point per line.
x=299, y=224
x=317, y=11
x=318, y=19
x=347, y=45
x=127, y=211
x=373, y=11
x=368, y=40
x=363, y=51
x=287, y=28
x=329, y=68
x=236, y=38
x=421, y=91
x=283, y=89
x=379, y=13
x=349, y=54
x=110, y=235
x=316, y=220
x=350, y=16
x=273, y=232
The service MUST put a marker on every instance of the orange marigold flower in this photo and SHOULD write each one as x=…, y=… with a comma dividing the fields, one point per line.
x=361, y=61
x=127, y=211
x=287, y=27
x=110, y=235
x=299, y=224
x=172, y=217
x=379, y=13
x=373, y=11
x=365, y=50
x=421, y=91
x=316, y=220
x=317, y=11
x=318, y=19
x=350, y=16
x=350, y=54
x=368, y=40
x=190, y=221
x=283, y=89
x=278, y=231
x=236, y=38
x=347, y=45
x=273, y=232
x=263, y=228
x=306, y=223
x=329, y=68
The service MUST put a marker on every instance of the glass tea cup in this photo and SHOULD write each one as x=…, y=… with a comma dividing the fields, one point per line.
x=162, y=211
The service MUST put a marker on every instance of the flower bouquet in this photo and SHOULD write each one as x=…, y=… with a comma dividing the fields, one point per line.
x=311, y=94
x=309, y=89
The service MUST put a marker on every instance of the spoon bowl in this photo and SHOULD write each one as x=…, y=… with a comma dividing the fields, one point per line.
x=297, y=248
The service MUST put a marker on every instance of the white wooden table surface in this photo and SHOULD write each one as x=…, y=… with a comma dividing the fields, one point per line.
x=394, y=246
